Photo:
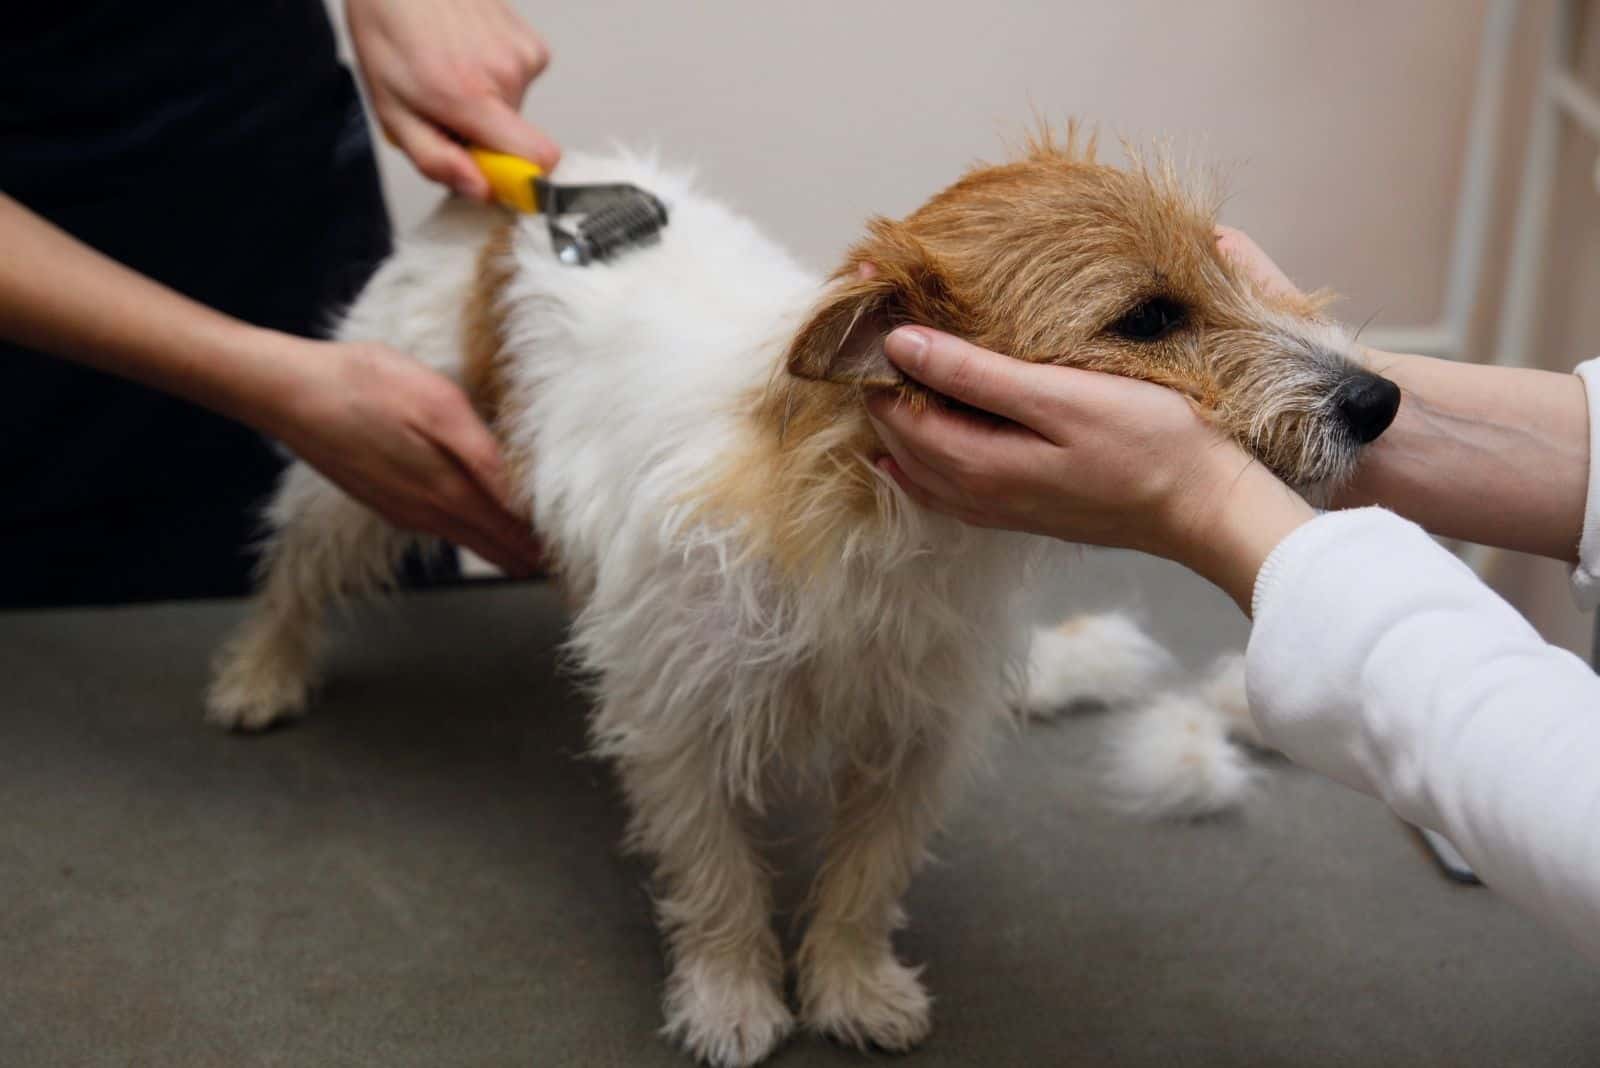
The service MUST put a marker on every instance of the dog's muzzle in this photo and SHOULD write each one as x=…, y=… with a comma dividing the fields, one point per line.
x=1367, y=404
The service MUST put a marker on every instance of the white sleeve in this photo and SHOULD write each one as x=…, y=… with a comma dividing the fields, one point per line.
x=1379, y=659
x=1586, y=576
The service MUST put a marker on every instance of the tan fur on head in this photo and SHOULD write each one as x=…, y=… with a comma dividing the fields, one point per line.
x=1057, y=258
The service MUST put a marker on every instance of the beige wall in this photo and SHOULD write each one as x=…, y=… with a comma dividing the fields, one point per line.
x=1569, y=328
x=1341, y=124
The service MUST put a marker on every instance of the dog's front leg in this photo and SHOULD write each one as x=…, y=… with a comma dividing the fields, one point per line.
x=852, y=987
x=724, y=992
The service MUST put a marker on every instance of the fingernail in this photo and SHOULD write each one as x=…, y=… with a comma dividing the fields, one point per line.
x=906, y=346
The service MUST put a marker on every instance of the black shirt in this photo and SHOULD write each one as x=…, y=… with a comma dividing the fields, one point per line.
x=218, y=147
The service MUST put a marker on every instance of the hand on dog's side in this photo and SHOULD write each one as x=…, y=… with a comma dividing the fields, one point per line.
x=405, y=441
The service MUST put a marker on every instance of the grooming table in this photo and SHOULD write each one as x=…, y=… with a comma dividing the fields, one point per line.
x=426, y=873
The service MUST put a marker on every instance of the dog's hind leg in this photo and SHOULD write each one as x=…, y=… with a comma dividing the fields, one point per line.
x=323, y=545
x=852, y=987
x=724, y=992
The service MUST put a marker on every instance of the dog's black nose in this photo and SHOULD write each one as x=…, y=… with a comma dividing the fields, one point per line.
x=1367, y=404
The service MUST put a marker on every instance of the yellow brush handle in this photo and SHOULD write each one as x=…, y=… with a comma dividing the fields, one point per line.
x=510, y=178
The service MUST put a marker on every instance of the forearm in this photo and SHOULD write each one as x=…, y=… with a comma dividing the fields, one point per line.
x=401, y=438
x=62, y=297
x=1379, y=660
x=1494, y=455
x=1246, y=513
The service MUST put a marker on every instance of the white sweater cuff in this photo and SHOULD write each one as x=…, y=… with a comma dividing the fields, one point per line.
x=1586, y=576
x=1380, y=660
x=1304, y=659
x=1304, y=542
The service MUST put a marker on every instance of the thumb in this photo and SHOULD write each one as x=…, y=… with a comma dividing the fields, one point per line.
x=473, y=445
x=1002, y=385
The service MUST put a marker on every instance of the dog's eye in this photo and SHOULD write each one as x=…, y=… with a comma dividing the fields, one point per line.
x=1150, y=321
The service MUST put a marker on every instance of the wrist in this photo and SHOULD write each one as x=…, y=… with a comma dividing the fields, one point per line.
x=269, y=379
x=1471, y=435
x=1232, y=521
x=1377, y=468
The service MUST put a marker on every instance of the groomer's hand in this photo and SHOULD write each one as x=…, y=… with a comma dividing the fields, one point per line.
x=1241, y=248
x=1081, y=456
x=393, y=434
x=442, y=71
x=406, y=442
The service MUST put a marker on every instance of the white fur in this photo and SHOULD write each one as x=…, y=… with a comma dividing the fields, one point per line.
x=1223, y=688
x=878, y=675
x=1102, y=658
x=1175, y=757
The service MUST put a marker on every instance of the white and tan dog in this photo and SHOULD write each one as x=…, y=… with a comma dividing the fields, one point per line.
x=753, y=600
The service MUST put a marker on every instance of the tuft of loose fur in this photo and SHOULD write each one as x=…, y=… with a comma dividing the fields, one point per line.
x=1171, y=760
x=1103, y=659
x=1176, y=757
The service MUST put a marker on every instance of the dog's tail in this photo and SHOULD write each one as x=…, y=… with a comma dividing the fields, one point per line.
x=1177, y=756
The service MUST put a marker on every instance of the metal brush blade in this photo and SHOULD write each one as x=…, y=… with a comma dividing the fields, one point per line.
x=628, y=219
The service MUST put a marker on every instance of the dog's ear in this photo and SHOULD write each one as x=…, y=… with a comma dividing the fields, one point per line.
x=843, y=340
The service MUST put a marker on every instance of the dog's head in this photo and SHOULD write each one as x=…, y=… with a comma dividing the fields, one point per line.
x=1058, y=259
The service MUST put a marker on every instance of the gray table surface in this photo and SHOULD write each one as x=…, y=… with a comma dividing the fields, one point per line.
x=426, y=873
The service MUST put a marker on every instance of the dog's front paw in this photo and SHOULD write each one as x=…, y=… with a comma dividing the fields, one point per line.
x=253, y=689
x=866, y=1002
x=726, y=1019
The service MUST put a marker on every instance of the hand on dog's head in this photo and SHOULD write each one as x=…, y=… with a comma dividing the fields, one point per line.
x=1057, y=258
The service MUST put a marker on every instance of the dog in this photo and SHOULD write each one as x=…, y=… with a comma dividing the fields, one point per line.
x=754, y=602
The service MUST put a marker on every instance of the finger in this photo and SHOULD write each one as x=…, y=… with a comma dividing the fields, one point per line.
x=1240, y=248
x=927, y=500
x=909, y=463
x=450, y=512
x=528, y=56
x=494, y=124
x=1003, y=385
x=473, y=475
x=458, y=530
x=955, y=443
x=470, y=519
x=416, y=485
x=447, y=502
x=514, y=547
x=435, y=155
x=895, y=470
x=470, y=444
x=489, y=517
